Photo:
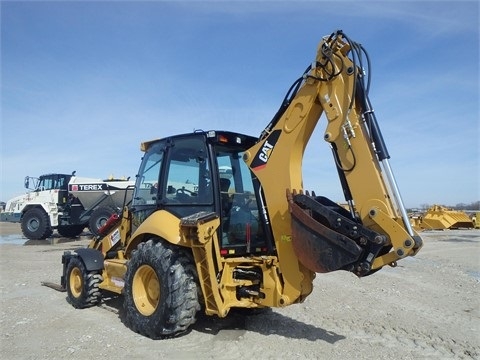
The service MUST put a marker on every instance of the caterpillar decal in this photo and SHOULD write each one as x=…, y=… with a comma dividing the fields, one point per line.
x=261, y=157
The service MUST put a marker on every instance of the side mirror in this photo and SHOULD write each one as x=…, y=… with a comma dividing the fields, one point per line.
x=27, y=182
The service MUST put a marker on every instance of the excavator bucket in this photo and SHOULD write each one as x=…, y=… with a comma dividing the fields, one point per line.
x=440, y=218
x=317, y=246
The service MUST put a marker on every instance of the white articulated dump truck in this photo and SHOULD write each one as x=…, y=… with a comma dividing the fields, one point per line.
x=67, y=203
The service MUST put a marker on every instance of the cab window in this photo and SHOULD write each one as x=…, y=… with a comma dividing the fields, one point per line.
x=146, y=186
x=188, y=173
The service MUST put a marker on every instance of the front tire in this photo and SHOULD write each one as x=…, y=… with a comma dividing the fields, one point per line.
x=161, y=291
x=36, y=224
x=82, y=286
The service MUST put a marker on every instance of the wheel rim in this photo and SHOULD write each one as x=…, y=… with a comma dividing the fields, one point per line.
x=76, y=282
x=101, y=222
x=33, y=224
x=146, y=290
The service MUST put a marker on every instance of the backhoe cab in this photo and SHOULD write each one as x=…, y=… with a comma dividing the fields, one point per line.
x=220, y=220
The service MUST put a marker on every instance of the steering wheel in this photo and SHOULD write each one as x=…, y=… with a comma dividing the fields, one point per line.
x=183, y=195
x=184, y=192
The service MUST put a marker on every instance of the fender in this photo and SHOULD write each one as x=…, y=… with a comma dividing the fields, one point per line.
x=162, y=224
x=91, y=258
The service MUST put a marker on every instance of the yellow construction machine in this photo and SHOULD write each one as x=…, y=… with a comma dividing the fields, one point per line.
x=439, y=217
x=476, y=220
x=220, y=220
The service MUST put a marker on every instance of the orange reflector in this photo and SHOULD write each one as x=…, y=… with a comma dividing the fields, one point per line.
x=222, y=138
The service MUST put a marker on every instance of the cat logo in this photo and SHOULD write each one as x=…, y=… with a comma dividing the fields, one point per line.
x=262, y=156
x=266, y=150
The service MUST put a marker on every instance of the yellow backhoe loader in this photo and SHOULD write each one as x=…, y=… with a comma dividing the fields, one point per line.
x=220, y=220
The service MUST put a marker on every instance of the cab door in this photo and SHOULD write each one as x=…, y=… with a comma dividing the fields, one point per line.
x=187, y=186
x=175, y=175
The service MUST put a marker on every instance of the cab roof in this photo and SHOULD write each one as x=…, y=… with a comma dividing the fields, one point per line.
x=216, y=136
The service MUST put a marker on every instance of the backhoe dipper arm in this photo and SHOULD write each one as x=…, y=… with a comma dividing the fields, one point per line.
x=375, y=231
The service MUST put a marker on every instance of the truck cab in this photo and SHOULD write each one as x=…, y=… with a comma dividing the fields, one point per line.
x=47, y=194
x=56, y=184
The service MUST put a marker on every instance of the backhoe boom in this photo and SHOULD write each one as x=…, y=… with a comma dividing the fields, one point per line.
x=321, y=236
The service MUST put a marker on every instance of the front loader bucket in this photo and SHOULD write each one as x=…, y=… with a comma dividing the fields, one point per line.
x=440, y=218
x=318, y=247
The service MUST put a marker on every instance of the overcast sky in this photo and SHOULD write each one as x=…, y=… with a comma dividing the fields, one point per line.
x=83, y=83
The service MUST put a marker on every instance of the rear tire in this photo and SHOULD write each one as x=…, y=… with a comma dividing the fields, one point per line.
x=70, y=231
x=36, y=224
x=98, y=218
x=161, y=291
x=82, y=286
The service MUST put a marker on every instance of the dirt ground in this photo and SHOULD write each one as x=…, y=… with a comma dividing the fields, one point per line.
x=426, y=308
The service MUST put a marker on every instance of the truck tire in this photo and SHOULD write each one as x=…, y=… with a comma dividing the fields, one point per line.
x=161, y=294
x=70, y=231
x=82, y=286
x=35, y=224
x=98, y=218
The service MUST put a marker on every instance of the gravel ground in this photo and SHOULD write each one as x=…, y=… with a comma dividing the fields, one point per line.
x=426, y=308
